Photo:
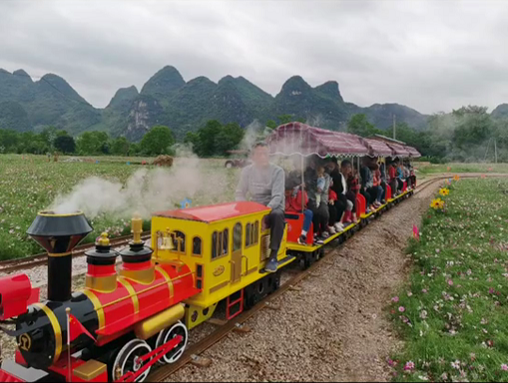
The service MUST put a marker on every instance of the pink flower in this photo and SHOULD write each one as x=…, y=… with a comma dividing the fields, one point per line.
x=424, y=291
x=395, y=299
x=450, y=282
x=409, y=366
x=402, y=309
x=504, y=367
x=491, y=291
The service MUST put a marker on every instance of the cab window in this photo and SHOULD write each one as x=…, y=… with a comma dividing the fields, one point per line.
x=196, y=246
x=179, y=242
x=237, y=237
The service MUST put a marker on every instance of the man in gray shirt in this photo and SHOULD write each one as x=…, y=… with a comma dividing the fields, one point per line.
x=264, y=182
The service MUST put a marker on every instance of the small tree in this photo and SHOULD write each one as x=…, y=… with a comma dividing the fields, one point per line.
x=271, y=124
x=228, y=138
x=358, y=124
x=120, y=146
x=65, y=144
x=157, y=141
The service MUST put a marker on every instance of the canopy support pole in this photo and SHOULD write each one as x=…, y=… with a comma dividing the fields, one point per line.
x=302, y=187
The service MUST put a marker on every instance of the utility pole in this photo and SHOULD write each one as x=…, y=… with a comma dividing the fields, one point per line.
x=394, y=126
x=495, y=149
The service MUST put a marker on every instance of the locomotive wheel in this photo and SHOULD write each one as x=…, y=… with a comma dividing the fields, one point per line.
x=166, y=335
x=126, y=360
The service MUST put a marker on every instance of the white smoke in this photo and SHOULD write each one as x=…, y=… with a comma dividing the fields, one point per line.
x=146, y=191
x=254, y=132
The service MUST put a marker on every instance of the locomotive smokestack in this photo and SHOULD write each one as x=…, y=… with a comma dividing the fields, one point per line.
x=59, y=234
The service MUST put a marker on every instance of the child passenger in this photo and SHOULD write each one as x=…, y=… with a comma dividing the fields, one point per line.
x=321, y=183
x=294, y=196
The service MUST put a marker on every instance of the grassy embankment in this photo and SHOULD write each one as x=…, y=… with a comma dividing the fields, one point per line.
x=451, y=313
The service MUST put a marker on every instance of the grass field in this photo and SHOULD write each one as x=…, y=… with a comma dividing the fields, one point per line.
x=452, y=312
x=29, y=184
x=428, y=169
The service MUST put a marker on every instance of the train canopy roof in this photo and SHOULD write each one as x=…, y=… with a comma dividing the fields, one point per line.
x=378, y=148
x=298, y=138
x=214, y=213
x=413, y=152
x=398, y=149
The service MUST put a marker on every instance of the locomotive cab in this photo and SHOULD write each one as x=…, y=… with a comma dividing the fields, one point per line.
x=226, y=245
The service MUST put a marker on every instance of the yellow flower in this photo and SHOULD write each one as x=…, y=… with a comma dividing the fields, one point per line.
x=444, y=191
x=436, y=203
x=456, y=177
x=441, y=205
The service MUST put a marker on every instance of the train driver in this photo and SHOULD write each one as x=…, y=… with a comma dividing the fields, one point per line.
x=264, y=183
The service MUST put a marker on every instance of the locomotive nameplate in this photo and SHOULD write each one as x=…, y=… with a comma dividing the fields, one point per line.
x=219, y=270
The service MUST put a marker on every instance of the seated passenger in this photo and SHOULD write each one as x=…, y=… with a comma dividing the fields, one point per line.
x=296, y=197
x=353, y=188
x=320, y=211
x=264, y=182
x=367, y=184
x=332, y=221
x=394, y=181
x=384, y=179
x=400, y=175
x=377, y=188
x=339, y=187
x=321, y=183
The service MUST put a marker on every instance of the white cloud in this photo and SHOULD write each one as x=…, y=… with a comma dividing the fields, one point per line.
x=430, y=55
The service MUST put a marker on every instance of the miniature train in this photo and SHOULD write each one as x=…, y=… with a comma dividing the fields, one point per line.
x=132, y=316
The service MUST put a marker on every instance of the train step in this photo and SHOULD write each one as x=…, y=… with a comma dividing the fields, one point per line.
x=281, y=263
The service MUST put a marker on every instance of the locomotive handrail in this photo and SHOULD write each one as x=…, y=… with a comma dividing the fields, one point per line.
x=246, y=265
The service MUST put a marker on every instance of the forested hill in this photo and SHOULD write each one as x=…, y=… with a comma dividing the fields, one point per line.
x=167, y=99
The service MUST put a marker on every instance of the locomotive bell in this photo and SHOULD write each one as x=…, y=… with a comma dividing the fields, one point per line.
x=59, y=234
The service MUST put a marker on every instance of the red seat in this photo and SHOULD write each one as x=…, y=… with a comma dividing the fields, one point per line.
x=361, y=205
x=295, y=225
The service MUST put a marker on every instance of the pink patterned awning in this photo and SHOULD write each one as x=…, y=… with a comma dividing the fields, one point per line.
x=305, y=140
x=378, y=148
x=398, y=149
x=413, y=153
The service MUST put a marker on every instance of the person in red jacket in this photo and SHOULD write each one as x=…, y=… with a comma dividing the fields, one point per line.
x=294, y=204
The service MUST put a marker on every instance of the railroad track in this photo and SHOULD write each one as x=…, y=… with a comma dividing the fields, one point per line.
x=164, y=372
x=32, y=261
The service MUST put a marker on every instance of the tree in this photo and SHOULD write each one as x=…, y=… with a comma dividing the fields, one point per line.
x=474, y=125
x=94, y=142
x=285, y=118
x=48, y=135
x=157, y=141
x=358, y=124
x=271, y=124
x=64, y=144
x=205, y=142
x=120, y=146
x=9, y=140
x=228, y=138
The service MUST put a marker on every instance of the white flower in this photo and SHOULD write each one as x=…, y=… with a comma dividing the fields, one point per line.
x=456, y=364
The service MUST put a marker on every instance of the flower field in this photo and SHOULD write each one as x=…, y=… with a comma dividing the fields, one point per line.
x=29, y=184
x=452, y=312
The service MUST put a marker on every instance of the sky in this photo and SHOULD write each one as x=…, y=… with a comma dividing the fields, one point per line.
x=429, y=55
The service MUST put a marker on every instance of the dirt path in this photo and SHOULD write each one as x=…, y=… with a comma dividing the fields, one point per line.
x=334, y=329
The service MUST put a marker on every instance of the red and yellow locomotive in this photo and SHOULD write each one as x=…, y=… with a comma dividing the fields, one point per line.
x=134, y=315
